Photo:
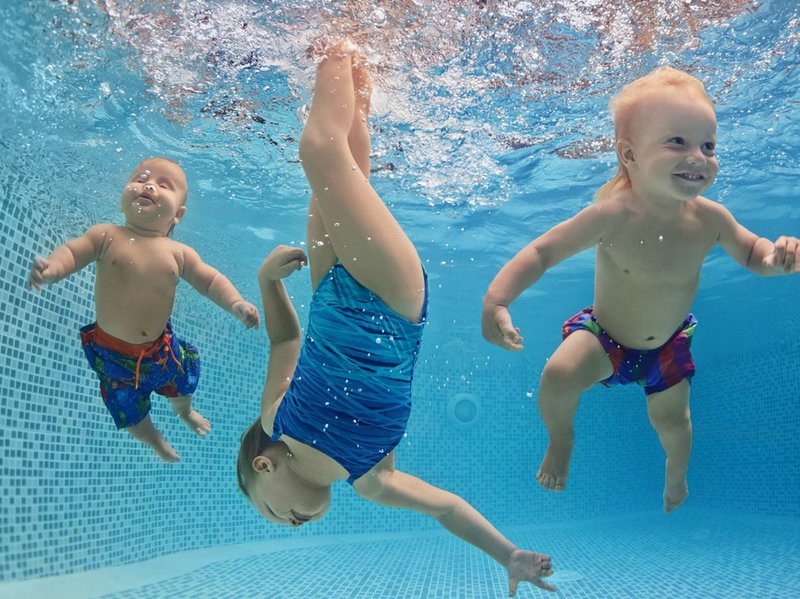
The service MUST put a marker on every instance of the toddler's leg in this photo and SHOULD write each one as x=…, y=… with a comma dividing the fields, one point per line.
x=578, y=363
x=669, y=415
x=322, y=255
x=364, y=235
x=149, y=435
x=182, y=406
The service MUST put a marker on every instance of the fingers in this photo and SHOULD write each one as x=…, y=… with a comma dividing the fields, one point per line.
x=511, y=339
x=247, y=313
x=786, y=255
x=36, y=275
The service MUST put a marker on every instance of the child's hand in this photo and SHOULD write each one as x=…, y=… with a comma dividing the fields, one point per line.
x=786, y=255
x=246, y=312
x=528, y=566
x=281, y=262
x=498, y=328
x=41, y=274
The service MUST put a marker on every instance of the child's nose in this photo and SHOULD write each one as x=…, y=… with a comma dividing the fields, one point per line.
x=696, y=156
x=150, y=187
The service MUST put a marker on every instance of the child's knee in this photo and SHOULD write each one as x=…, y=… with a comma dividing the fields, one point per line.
x=670, y=419
x=562, y=375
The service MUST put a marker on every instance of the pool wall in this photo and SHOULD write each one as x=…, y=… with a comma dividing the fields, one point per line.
x=77, y=494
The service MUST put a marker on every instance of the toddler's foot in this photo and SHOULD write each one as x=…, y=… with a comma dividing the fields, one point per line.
x=676, y=490
x=554, y=470
x=164, y=450
x=196, y=423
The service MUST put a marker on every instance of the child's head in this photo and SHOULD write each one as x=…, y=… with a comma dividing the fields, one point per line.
x=154, y=198
x=664, y=133
x=266, y=477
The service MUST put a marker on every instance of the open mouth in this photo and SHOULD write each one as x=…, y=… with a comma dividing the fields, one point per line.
x=300, y=518
x=693, y=177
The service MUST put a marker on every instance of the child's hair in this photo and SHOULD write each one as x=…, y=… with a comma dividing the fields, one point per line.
x=624, y=106
x=253, y=442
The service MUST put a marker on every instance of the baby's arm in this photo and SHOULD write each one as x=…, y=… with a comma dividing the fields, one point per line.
x=753, y=252
x=397, y=489
x=215, y=286
x=566, y=239
x=69, y=258
x=282, y=324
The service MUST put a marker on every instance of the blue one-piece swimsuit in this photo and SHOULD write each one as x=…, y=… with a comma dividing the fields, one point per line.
x=351, y=393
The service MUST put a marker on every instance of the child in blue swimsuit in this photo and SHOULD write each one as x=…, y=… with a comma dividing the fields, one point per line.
x=335, y=406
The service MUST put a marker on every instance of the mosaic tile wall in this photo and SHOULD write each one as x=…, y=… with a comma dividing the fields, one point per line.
x=76, y=494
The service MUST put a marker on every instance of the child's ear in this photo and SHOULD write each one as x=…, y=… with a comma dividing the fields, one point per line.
x=179, y=215
x=262, y=463
x=625, y=153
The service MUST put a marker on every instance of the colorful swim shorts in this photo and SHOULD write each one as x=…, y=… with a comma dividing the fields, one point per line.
x=129, y=372
x=654, y=369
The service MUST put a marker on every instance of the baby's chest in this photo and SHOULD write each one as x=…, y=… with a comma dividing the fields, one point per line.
x=140, y=259
x=658, y=254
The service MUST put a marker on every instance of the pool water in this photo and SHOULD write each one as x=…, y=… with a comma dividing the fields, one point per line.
x=490, y=126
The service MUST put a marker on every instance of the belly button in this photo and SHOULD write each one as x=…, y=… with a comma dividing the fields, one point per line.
x=650, y=338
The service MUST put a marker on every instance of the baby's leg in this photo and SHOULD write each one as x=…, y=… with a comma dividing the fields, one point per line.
x=669, y=415
x=182, y=406
x=364, y=235
x=149, y=435
x=578, y=363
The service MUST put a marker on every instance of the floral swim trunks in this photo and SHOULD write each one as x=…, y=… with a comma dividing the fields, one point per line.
x=654, y=369
x=129, y=372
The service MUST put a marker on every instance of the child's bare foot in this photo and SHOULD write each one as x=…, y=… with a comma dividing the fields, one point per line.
x=148, y=434
x=196, y=423
x=676, y=490
x=164, y=450
x=554, y=470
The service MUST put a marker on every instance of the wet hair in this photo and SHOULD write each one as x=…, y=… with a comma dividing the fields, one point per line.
x=253, y=443
x=625, y=107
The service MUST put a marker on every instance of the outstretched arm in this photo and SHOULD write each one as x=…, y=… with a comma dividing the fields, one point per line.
x=755, y=253
x=282, y=324
x=397, y=489
x=69, y=258
x=208, y=281
x=566, y=239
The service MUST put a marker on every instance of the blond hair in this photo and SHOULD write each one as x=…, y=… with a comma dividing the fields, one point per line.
x=624, y=107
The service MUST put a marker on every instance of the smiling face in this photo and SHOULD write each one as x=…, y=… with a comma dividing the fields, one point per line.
x=282, y=497
x=670, y=153
x=154, y=198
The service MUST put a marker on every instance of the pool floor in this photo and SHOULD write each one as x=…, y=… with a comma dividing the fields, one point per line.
x=691, y=553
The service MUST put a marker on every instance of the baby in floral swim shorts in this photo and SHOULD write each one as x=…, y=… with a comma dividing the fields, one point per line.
x=132, y=346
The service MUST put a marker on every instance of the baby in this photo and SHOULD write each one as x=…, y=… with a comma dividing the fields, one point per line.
x=132, y=346
x=652, y=231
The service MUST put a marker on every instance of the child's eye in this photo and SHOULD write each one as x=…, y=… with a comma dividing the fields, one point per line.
x=709, y=146
x=677, y=140
x=164, y=186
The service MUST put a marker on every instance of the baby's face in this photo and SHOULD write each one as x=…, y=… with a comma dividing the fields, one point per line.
x=154, y=196
x=672, y=144
x=286, y=499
